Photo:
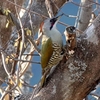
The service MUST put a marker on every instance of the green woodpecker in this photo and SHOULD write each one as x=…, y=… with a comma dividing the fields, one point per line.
x=70, y=35
x=51, y=47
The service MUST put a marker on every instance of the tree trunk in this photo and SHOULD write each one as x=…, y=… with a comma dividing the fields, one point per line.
x=74, y=79
x=84, y=14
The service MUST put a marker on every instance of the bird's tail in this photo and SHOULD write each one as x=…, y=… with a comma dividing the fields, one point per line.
x=43, y=81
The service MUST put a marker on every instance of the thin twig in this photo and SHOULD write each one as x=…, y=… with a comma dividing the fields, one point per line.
x=25, y=83
x=23, y=39
x=34, y=12
x=28, y=12
x=4, y=64
x=27, y=9
x=20, y=52
x=95, y=95
x=98, y=7
x=5, y=93
x=95, y=2
x=31, y=25
x=34, y=44
x=81, y=5
x=27, y=61
x=6, y=70
x=26, y=65
x=49, y=8
x=72, y=16
x=63, y=23
x=31, y=54
x=78, y=14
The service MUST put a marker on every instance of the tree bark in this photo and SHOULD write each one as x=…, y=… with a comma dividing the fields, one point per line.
x=84, y=14
x=74, y=79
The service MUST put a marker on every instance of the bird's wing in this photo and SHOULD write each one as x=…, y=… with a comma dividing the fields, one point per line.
x=46, y=52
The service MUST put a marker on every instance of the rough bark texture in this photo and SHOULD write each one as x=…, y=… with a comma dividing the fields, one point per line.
x=84, y=14
x=74, y=79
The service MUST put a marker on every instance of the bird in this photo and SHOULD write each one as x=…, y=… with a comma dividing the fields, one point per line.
x=51, y=46
x=70, y=35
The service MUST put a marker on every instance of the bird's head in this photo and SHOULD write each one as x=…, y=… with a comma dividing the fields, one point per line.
x=50, y=23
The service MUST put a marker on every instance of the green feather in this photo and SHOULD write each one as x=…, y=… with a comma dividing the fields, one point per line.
x=46, y=52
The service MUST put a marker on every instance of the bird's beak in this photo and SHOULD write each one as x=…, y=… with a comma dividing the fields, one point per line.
x=58, y=17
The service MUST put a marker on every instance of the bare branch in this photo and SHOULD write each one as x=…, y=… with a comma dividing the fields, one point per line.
x=34, y=44
x=49, y=8
x=84, y=15
x=4, y=64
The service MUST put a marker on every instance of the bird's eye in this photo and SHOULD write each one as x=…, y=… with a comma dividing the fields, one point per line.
x=52, y=21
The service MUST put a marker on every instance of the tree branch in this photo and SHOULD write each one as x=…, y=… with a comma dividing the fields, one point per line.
x=74, y=79
x=84, y=15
